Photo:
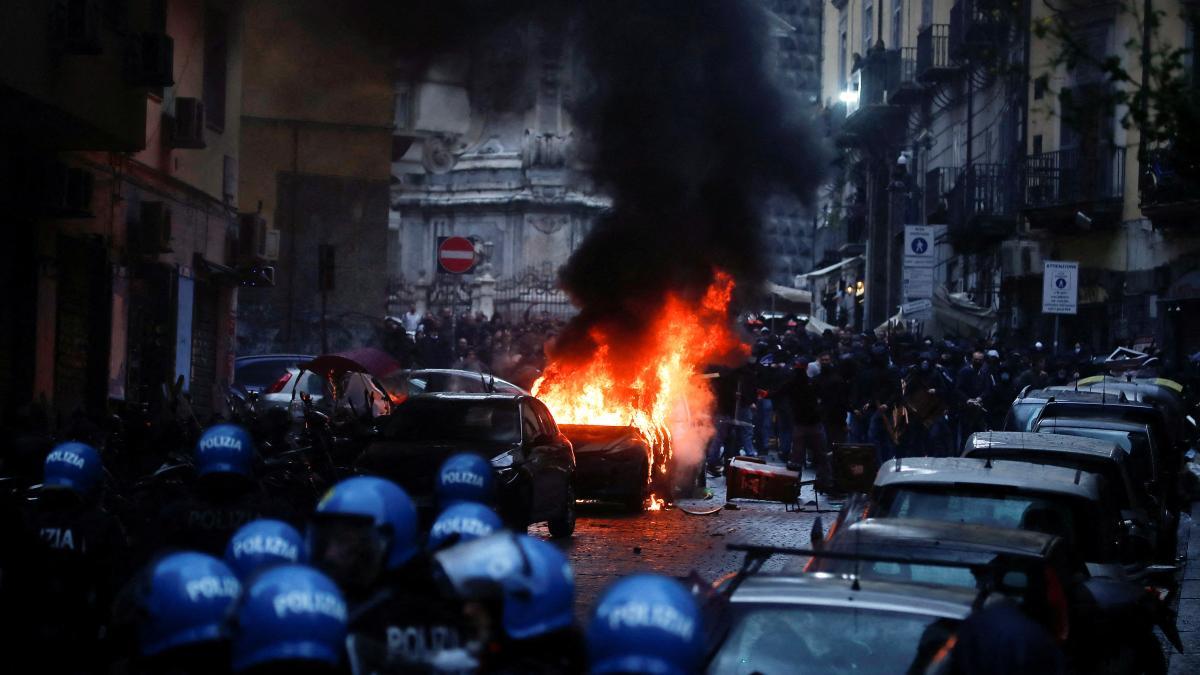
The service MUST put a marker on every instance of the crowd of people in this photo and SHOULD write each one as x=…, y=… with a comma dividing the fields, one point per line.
x=798, y=393
x=220, y=573
x=511, y=350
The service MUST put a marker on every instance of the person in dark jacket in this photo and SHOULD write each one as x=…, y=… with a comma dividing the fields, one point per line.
x=808, y=439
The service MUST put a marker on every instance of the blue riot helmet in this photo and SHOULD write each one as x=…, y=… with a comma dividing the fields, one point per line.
x=531, y=578
x=464, y=478
x=362, y=526
x=541, y=598
x=225, y=449
x=462, y=522
x=185, y=602
x=75, y=467
x=262, y=543
x=289, y=614
x=645, y=624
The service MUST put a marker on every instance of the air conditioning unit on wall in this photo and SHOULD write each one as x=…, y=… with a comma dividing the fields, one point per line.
x=256, y=241
x=1020, y=258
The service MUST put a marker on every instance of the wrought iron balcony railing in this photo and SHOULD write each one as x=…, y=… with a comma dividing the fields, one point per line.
x=933, y=53
x=1075, y=176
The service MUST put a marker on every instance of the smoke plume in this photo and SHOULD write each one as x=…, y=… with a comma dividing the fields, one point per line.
x=689, y=134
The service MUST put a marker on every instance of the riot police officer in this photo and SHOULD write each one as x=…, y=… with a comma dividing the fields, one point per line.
x=462, y=522
x=183, y=600
x=72, y=563
x=262, y=543
x=364, y=535
x=224, y=497
x=291, y=619
x=527, y=590
x=645, y=624
x=464, y=477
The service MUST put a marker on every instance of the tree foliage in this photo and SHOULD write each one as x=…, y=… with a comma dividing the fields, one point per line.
x=1149, y=82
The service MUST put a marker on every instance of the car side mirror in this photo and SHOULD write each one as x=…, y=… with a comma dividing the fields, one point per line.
x=543, y=439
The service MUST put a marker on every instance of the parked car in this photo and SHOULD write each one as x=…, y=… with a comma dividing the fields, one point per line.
x=614, y=463
x=356, y=392
x=798, y=623
x=533, y=461
x=1169, y=445
x=1145, y=522
x=259, y=372
x=1024, y=411
x=1099, y=622
x=1070, y=503
x=1144, y=460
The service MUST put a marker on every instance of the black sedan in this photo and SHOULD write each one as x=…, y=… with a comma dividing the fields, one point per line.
x=533, y=461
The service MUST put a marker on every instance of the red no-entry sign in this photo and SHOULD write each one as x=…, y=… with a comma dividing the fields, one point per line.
x=456, y=255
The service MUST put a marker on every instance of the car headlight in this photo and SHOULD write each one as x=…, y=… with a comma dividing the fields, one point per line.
x=503, y=461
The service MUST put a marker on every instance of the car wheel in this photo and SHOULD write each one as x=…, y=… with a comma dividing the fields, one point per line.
x=564, y=525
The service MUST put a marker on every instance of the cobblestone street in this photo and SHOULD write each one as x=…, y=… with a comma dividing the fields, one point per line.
x=609, y=544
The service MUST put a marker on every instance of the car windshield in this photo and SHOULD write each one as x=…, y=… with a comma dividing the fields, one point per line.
x=439, y=420
x=1079, y=526
x=1136, y=445
x=815, y=639
x=1021, y=416
x=895, y=571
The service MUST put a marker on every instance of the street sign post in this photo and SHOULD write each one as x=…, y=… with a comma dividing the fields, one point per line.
x=920, y=258
x=1060, y=290
x=456, y=255
x=919, y=250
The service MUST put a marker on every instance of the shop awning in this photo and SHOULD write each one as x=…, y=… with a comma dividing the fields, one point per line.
x=787, y=293
x=826, y=271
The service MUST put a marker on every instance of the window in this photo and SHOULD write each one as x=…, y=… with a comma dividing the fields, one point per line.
x=1037, y=144
x=926, y=12
x=404, y=106
x=868, y=23
x=216, y=46
x=548, y=424
x=1039, y=87
x=843, y=49
x=897, y=23
x=531, y=428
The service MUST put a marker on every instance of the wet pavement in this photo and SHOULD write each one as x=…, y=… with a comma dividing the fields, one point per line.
x=609, y=544
x=1188, y=620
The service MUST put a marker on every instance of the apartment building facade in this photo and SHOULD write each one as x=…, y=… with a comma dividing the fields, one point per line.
x=963, y=115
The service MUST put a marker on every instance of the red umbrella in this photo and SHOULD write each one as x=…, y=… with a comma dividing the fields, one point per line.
x=364, y=360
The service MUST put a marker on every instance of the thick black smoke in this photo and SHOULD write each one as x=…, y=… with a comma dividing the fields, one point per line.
x=685, y=130
x=690, y=134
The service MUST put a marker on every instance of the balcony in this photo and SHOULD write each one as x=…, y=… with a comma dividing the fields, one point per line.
x=976, y=26
x=908, y=90
x=873, y=114
x=1166, y=189
x=983, y=205
x=933, y=54
x=1075, y=188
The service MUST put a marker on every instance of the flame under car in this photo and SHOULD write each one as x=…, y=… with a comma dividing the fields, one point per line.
x=620, y=464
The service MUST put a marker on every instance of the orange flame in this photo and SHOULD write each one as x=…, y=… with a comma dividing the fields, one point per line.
x=648, y=387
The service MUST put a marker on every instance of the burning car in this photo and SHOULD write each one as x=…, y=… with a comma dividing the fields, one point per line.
x=617, y=463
